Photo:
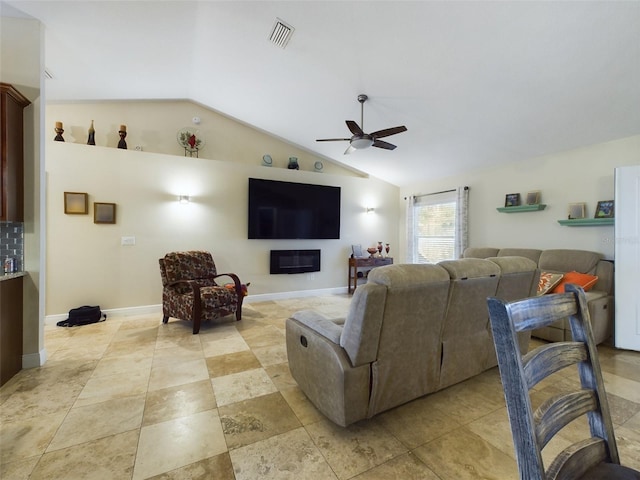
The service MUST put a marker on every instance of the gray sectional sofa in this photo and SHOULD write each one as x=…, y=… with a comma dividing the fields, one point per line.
x=410, y=330
x=600, y=298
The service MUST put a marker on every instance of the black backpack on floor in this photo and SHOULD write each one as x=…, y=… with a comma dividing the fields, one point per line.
x=83, y=316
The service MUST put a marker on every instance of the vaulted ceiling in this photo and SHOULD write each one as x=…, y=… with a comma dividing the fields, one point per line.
x=477, y=84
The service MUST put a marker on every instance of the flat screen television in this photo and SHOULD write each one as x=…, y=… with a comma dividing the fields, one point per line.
x=288, y=210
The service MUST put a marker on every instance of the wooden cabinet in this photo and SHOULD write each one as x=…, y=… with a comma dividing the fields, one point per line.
x=10, y=328
x=359, y=268
x=12, y=104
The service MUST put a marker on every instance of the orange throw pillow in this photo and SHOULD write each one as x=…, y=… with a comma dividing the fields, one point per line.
x=584, y=280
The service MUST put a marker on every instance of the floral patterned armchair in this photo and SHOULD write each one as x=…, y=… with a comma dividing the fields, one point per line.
x=190, y=291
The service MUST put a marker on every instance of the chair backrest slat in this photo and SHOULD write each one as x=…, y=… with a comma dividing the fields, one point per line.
x=548, y=359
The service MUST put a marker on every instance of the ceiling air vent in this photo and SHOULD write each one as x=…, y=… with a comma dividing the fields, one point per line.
x=281, y=33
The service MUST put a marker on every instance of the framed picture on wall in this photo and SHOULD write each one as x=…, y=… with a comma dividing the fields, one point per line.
x=576, y=210
x=76, y=203
x=512, y=200
x=604, y=209
x=104, y=212
x=533, y=198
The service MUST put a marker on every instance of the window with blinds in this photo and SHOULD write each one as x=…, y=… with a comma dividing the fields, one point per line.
x=434, y=228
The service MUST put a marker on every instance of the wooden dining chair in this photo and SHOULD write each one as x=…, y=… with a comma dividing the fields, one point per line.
x=595, y=456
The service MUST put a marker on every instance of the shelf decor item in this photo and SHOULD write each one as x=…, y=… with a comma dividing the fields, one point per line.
x=533, y=198
x=76, y=203
x=604, y=209
x=576, y=210
x=372, y=251
x=59, y=131
x=123, y=134
x=104, y=212
x=293, y=163
x=267, y=161
x=191, y=141
x=512, y=200
x=91, y=140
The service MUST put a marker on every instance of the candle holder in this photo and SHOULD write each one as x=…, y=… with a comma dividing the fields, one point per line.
x=59, y=131
x=123, y=134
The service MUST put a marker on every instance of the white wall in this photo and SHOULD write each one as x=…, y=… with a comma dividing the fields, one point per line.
x=87, y=265
x=580, y=175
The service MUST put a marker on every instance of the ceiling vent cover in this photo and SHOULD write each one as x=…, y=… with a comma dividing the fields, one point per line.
x=281, y=33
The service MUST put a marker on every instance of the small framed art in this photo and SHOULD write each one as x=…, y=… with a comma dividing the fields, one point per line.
x=356, y=251
x=76, y=203
x=576, y=210
x=104, y=212
x=512, y=200
x=604, y=209
x=533, y=198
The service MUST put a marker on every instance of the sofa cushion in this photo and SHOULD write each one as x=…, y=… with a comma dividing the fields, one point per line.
x=530, y=253
x=563, y=260
x=548, y=281
x=585, y=280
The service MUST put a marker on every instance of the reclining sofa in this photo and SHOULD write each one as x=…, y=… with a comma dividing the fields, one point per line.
x=600, y=296
x=410, y=330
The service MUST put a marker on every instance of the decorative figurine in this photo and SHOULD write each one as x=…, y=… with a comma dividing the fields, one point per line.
x=92, y=135
x=293, y=163
x=59, y=132
x=123, y=134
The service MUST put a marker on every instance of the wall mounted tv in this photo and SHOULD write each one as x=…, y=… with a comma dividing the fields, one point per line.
x=288, y=210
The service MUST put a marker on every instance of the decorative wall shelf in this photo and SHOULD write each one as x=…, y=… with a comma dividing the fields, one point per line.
x=586, y=222
x=522, y=208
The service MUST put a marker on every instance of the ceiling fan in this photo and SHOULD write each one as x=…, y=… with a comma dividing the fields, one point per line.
x=361, y=140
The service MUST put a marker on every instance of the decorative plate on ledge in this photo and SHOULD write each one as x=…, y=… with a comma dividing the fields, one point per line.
x=190, y=140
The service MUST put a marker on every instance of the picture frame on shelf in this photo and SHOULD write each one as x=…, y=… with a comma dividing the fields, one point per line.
x=512, y=200
x=104, y=212
x=76, y=203
x=356, y=251
x=533, y=198
x=605, y=209
x=576, y=211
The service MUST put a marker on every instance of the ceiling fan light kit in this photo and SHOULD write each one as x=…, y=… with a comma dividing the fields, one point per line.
x=361, y=140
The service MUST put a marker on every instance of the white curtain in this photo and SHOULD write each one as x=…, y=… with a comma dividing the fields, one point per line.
x=462, y=221
x=411, y=200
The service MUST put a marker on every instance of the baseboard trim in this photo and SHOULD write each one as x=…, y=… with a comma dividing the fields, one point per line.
x=157, y=309
x=34, y=360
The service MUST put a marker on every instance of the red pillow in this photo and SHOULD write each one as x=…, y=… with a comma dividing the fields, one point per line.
x=584, y=280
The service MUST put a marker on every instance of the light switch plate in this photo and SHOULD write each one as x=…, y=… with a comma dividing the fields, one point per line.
x=128, y=241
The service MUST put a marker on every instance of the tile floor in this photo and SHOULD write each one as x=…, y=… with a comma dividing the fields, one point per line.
x=131, y=398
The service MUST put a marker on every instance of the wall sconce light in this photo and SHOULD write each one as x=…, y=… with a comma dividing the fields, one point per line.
x=184, y=199
x=370, y=210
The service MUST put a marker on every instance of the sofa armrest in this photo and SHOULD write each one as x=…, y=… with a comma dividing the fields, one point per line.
x=329, y=329
x=604, y=271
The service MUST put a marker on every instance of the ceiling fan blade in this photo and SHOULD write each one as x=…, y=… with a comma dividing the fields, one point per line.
x=382, y=144
x=388, y=131
x=349, y=150
x=333, y=139
x=354, y=128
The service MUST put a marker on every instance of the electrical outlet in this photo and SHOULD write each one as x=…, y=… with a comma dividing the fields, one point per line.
x=128, y=241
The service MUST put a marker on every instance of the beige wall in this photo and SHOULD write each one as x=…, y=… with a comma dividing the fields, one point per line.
x=581, y=175
x=154, y=125
x=87, y=265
